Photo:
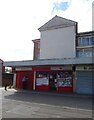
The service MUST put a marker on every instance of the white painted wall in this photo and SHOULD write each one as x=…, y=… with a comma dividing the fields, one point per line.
x=58, y=43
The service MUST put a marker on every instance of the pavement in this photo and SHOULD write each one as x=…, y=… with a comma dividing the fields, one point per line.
x=35, y=104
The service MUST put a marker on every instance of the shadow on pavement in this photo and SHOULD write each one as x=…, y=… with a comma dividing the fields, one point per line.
x=57, y=99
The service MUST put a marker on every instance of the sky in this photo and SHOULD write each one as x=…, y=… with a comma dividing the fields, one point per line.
x=20, y=20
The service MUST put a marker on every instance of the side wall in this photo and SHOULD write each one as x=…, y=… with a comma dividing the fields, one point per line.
x=36, y=55
x=58, y=43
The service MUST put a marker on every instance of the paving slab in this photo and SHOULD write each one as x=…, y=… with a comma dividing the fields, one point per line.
x=29, y=104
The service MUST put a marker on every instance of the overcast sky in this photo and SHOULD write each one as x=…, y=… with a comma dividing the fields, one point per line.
x=20, y=20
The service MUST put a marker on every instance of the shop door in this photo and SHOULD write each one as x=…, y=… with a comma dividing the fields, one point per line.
x=53, y=81
x=42, y=81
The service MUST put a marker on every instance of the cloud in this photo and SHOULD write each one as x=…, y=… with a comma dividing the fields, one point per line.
x=20, y=20
x=60, y=6
x=80, y=11
x=18, y=26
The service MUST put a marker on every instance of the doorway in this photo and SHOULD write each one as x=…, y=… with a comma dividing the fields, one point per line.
x=53, y=81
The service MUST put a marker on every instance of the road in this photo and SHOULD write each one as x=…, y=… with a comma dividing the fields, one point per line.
x=30, y=104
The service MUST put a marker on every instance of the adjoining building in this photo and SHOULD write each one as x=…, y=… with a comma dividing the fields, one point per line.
x=85, y=49
x=1, y=66
x=62, y=59
x=36, y=52
x=58, y=39
x=85, y=44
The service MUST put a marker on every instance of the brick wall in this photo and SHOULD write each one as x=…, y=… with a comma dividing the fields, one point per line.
x=36, y=52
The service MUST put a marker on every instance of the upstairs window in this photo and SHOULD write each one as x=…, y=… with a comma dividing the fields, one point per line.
x=84, y=41
x=85, y=53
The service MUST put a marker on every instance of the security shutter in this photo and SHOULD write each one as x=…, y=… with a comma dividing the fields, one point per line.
x=84, y=82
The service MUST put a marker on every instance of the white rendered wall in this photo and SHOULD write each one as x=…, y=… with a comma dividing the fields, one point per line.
x=58, y=43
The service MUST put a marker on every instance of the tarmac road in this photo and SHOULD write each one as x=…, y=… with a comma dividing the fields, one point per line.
x=33, y=104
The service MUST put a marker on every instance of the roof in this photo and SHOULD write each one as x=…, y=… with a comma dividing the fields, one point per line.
x=87, y=33
x=1, y=60
x=57, y=22
x=43, y=62
x=36, y=40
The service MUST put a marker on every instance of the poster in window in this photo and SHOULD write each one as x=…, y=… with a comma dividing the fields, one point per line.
x=64, y=82
x=42, y=81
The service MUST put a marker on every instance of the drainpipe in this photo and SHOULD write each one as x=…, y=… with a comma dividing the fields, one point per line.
x=74, y=78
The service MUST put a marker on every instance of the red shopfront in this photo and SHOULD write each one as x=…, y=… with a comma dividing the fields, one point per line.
x=20, y=73
x=53, y=79
x=47, y=79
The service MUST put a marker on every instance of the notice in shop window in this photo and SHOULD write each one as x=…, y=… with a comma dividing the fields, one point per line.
x=42, y=81
x=62, y=82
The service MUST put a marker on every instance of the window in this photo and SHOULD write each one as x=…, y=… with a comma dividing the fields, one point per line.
x=88, y=53
x=84, y=53
x=42, y=74
x=80, y=41
x=64, y=79
x=84, y=41
x=93, y=52
x=92, y=40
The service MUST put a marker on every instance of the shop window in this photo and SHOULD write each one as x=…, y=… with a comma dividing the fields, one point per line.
x=64, y=79
x=42, y=78
x=53, y=77
x=56, y=79
x=60, y=75
x=53, y=81
x=41, y=74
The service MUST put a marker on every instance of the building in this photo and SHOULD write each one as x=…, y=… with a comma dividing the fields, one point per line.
x=56, y=34
x=58, y=64
x=36, y=52
x=1, y=65
x=85, y=44
x=85, y=49
x=58, y=38
x=84, y=72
